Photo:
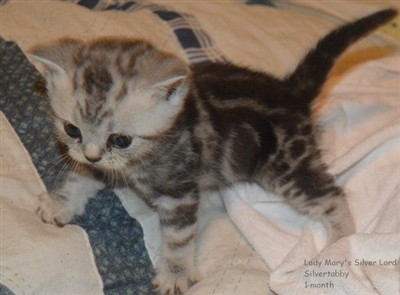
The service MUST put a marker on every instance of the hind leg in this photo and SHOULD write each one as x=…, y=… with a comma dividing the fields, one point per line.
x=331, y=209
x=311, y=190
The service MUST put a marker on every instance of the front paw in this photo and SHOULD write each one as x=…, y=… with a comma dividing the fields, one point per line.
x=174, y=284
x=53, y=208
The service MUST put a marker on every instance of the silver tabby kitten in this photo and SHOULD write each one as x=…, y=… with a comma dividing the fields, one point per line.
x=170, y=131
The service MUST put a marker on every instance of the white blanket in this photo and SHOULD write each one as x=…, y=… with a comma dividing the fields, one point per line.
x=37, y=258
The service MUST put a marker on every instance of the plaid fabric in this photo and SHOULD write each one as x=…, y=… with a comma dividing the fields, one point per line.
x=197, y=44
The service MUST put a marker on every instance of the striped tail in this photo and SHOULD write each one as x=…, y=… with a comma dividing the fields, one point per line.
x=308, y=78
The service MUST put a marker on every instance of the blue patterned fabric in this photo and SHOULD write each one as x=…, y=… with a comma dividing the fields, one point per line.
x=28, y=111
x=5, y=291
x=118, y=246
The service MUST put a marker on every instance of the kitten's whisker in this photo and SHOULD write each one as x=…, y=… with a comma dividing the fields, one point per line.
x=60, y=159
x=122, y=172
x=65, y=167
x=112, y=177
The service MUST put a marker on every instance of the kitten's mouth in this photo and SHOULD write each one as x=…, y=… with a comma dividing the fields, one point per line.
x=89, y=164
x=97, y=166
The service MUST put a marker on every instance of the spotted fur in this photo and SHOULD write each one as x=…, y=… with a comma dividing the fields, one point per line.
x=169, y=131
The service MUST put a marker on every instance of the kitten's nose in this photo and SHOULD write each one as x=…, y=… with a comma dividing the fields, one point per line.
x=93, y=159
x=92, y=152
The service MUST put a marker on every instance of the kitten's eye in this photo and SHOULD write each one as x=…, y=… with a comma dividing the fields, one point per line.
x=72, y=131
x=120, y=141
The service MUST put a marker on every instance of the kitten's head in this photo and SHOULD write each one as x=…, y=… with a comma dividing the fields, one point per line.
x=111, y=98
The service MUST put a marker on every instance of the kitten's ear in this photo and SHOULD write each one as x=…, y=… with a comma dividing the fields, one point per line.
x=45, y=66
x=175, y=88
x=55, y=58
